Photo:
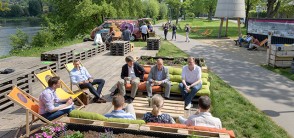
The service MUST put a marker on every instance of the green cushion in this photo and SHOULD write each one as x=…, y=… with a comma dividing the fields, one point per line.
x=204, y=75
x=204, y=81
x=170, y=70
x=128, y=121
x=176, y=78
x=203, y=92
x=171, y=77
x=87, y=115
x=175, y=87
x=177, y=71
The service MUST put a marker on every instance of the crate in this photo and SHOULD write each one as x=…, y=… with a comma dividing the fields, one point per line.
x=132, y=45
x=119, y=48
x=153, y=43
x=280, y=55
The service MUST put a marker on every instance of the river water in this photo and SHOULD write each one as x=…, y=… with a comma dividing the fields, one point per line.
x=10, y=27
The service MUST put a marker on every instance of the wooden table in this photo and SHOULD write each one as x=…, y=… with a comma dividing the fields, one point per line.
x=171, y=107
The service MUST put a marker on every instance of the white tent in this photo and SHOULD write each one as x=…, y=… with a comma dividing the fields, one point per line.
x=230, y=9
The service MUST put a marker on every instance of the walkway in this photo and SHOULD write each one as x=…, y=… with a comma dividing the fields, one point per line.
x=268, y=91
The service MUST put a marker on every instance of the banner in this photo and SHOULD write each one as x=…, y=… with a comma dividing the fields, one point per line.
x=279, y=27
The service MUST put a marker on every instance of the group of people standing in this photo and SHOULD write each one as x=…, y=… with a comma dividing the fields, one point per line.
x=167, y=26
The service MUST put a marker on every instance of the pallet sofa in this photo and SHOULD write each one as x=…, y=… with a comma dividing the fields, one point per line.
x=82, y=120
x=175, y=78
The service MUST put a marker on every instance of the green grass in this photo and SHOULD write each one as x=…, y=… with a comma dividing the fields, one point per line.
x=169, y=50
x=282, y=71
x=234, y=110
x=238, y=114
x=139, y=43
x=37, y=51
x=202, y=25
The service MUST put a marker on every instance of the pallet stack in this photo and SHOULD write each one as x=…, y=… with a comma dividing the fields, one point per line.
x=280, y=55
x=153, y=43
x=119, y=48
x=60, y=56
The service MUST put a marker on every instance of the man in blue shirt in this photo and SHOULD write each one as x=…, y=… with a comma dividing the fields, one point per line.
x=81, y=77
x=118, y=102
x=50, y=106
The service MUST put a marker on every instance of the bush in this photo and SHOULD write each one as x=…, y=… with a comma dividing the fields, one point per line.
x=253, y=14
x=42, y=39
x=20, y=40
x=190, y=15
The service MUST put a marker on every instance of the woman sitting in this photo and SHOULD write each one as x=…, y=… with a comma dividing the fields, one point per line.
x=155, y=116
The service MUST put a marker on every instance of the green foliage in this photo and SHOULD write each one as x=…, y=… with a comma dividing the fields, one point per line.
x=190, y=15
x=77, y=134
x=163, y=10
x=20, y=40
x=4, y=6
x=253, y=14
x=15, y=11
x=151, y=8
x=194, y=6
x=35, y=7
x=42, y=39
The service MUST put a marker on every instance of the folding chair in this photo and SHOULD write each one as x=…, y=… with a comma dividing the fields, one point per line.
x=31, y=105
x=60, y=92
x=69, y=67
x=205, y=32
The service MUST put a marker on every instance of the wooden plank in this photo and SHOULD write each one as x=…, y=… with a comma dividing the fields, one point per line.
x=165, y=101
x=140, y=113
x=164, y=107
x=165, y=104
x=282, y=48
x=163, y=110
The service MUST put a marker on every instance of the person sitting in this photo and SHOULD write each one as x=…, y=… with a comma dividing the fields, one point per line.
x=253, y=44
x=126, y=34
x=202, y=117
x=241, y=40
x=81, y=77
x=159, y=76
x=132, y=72
x=155, y=116
x=191, y=82
x=50, y=106
x=118, y=102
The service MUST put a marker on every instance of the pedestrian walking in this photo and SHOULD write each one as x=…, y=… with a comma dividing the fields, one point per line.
x=174, y=32
x=187, y=30
x=165, y=29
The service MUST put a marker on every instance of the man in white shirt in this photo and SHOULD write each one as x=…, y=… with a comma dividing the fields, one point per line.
x=191, y=82
x=144, y=31
x=202, y=117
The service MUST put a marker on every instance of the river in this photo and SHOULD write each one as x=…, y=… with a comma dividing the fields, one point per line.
x=9, y=27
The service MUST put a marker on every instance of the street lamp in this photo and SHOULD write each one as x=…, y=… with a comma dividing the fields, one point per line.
x=258, y=9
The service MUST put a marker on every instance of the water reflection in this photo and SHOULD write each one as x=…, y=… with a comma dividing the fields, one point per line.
x=9, y=27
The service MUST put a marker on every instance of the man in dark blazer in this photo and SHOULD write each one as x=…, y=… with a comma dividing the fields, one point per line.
x=159, y=76
x=132, y=72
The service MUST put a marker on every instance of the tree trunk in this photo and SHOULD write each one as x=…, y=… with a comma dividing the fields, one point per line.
x=177, y=15
x=271, y=8
x=210, y=13
x=248, y=7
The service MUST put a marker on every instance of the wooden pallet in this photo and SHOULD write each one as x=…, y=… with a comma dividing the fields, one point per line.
x=280, y=55
x=119, y=48
x=173, y=108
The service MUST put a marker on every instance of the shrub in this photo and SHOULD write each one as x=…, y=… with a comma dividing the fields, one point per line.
x=20, y=40
x=42, y=39
x=190, y=15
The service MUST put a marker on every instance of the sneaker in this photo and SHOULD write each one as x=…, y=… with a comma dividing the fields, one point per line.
x=188, y=106
x=100, y=100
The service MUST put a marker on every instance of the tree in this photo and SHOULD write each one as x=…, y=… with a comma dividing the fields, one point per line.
x=272, y=7
x=194, y=6
x=16, y=11
x=4, y=7
x=151, y=8
x=163, y=10
x=249, y=5
x=176, y=6
x=20, y=40
x=35, y=7
x=210, y=6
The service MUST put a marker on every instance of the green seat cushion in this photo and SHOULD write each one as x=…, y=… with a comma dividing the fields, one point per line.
x=204, y=75
x=204, y=81
x=203, y=92
x=176, y=78
x=87, y=115
x=171, y=77
x=128, y=121
x=175, y=87
x=170, y=70
x=177, y=71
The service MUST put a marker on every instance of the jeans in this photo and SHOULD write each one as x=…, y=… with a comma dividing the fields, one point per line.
x=97, y=92
x=54, y=115
x=174, y=34
x=165, y=34
x=187, y=37
x=144, y=37
x=188, y=96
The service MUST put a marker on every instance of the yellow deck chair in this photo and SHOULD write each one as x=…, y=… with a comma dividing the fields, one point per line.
x=69, y=67
x=64, y=92
x=31, y=105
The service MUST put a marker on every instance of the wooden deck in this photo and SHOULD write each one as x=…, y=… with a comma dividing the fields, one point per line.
x=102, y=65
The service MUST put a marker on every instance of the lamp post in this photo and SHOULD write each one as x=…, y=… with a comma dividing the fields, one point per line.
x=258, y=9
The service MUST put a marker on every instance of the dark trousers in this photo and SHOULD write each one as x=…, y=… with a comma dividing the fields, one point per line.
x=165, y=33
x=97, y=92
x=144, y=37
x=174, y=34
x=54, y=115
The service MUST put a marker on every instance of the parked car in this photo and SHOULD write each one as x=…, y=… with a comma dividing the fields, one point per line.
x=134, y=26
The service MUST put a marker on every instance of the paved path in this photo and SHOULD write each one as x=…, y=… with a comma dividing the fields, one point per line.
x=269, y=92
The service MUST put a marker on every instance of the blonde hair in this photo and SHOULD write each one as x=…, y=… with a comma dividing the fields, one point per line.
x=157, y=104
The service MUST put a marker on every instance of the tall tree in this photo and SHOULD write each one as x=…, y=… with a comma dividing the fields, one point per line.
x=249, y=5
x=176, y=6
x=272, y=7
x=16, y=11
x=35, y=7
x=151, y=8
x=163, y=10
x=194, y=6
x=210, y=6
